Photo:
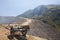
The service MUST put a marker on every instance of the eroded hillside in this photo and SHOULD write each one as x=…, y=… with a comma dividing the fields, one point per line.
x=38, y=31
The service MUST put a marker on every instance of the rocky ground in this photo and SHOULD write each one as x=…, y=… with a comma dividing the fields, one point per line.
x=38, y=31
x=4, y=33
x=42, y=30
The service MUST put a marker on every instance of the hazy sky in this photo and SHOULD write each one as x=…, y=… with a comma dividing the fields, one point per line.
x=16, y=7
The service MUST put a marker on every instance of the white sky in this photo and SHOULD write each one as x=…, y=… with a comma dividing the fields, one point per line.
x=16, y=7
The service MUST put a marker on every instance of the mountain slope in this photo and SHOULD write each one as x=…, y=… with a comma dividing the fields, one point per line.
x=42, y=30
x=29, y=12
x=37, y=11
x=49, y=14
x=52, y=17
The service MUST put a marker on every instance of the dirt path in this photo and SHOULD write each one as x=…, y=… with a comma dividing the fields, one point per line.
x=28, y=21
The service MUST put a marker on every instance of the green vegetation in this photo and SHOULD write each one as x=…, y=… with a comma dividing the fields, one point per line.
x=52, y=17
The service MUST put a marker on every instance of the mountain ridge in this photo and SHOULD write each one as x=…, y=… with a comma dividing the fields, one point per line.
x=49, y=14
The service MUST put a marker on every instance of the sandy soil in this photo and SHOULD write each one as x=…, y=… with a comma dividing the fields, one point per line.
x=44, y=31
x=4, y=32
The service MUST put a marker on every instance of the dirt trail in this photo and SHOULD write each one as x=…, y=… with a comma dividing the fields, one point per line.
x=28, y=21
